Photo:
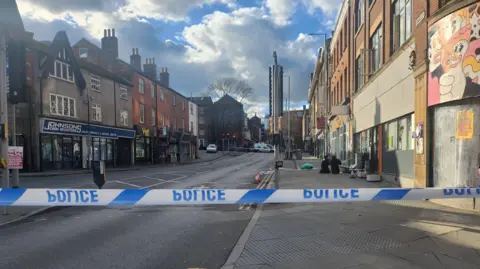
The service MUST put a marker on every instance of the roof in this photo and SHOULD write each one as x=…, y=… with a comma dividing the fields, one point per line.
x=88, y=42
x=60, y=41
x=227, y=100
x=201, y=101
x=132, y=69
x=103, y=72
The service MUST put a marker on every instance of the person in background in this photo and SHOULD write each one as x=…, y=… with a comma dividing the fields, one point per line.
x=335, y=165
x=324, y=166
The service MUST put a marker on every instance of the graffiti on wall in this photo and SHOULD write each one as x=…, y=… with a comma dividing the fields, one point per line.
x=454, y=56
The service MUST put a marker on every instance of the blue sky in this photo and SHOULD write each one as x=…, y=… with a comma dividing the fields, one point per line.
x=200, y=40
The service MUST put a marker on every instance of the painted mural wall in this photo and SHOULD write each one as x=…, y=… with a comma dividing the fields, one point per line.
x=454, y=56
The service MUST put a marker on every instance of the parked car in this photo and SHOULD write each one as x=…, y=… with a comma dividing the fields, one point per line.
x=202, y=147
x=212, y=148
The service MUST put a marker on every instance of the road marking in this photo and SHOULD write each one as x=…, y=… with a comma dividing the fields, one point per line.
x=159, y=179
x=126, y=183
x=160, y=183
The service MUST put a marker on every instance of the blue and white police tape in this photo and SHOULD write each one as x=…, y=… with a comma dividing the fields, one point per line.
x=136, y=197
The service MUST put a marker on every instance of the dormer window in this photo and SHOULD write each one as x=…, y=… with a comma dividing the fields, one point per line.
x=62, y=69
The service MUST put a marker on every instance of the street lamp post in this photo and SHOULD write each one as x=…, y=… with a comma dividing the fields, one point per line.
x=288, y=120
x=325, y=127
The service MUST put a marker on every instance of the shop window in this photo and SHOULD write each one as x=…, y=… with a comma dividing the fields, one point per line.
x=402, y=133
x=402, y=23
x=140, y=147
x=142, y=113
x=376, y=51
x=154, y=116
x=411, y=130
x=94, y=83
x=390, y=136
x=141, y=86
x=123, y=93
x=62, y=105
x=124, y=117
x=96, y=112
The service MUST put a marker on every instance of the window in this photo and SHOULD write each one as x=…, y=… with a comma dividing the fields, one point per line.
x=402, y=133
x=183, y=105
x=124, y=117
x=83, y=53
x=202, y=132
x=174, y=103
x=141, y=86
x=162, y=119
x=359, y=14
x=376, y=51
x=201, y=120
x=183, y=124
x=161, y=94
x=62, y=105
x=174, y=124
x=201, y=111
x=63, y=71
x=154, y=116
x=94, y=82
x=191, y=109
x=142, y=113
x=191, y=127
x=96, y=112
x=390, y=136
x=153, y=90
x=359, y=72
x=123, y=93
x=402, y=23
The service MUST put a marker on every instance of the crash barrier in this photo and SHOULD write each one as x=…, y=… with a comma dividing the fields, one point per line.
x=133, y=197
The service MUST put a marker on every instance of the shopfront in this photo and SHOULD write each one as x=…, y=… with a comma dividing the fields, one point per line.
x=144, y=145
x=71, y=145
x=339, y=138
x=454, y=109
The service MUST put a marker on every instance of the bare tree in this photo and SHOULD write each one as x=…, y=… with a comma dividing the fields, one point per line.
x=238, y=89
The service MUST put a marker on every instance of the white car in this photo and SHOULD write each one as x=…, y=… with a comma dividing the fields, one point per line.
x=212, y=148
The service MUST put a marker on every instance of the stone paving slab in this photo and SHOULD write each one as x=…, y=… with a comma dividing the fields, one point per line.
x=386, y=235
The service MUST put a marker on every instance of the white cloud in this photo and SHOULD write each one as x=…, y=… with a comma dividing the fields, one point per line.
x=281, y=10
x=327, y=6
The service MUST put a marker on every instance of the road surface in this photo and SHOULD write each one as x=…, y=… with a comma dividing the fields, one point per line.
x=136, y=237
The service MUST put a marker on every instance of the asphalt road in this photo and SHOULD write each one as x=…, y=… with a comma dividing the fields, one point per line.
x=137, y=237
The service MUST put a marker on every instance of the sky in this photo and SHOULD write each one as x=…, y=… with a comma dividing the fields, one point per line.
x=200, y=41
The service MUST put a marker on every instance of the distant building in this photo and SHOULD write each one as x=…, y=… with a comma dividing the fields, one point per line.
x=204, y=106
x=228, y=117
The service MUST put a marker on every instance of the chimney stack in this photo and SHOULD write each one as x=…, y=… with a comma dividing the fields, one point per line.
x=165, y=77
x=109, y=45
x=135, y=59
x=150, y=68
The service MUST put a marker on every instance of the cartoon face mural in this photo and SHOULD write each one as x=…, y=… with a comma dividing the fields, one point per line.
x=454, y=56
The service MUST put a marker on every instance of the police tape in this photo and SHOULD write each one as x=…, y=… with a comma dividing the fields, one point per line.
x=138, y=197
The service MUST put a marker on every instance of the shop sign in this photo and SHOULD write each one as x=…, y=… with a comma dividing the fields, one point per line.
x=15, y=157
x=464, y=124
x=75, y=128
x=145, y=132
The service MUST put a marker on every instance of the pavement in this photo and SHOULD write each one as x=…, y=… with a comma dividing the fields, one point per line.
x=136, y=237
x=203, y=156
x=386, y=235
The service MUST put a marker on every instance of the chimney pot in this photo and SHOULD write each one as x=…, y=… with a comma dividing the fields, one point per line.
x=153, y=60
x=137, y=51
x=146, y=60
x=113, y=32
x=108, y=32
x=104, y=32
x=133, y=51
x=166, y=70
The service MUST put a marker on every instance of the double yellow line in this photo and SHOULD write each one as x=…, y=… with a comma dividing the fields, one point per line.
x=263, y=185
